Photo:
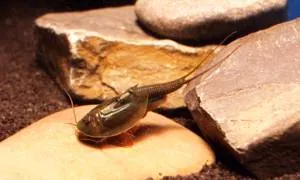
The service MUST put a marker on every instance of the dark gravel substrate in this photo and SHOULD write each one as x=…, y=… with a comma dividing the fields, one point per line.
x=28, y=94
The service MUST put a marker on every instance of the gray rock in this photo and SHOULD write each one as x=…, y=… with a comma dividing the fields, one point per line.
x=206, y=20
x=250, y=104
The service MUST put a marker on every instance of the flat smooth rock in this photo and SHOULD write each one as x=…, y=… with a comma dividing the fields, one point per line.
x=208, y=20
x=49, y=149
x=250, y=105
x=95, y=53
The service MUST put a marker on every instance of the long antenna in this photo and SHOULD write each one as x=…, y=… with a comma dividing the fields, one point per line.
x=72, y=104
x=58, y=80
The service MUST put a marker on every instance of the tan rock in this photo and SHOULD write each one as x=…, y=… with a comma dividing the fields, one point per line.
x=207, y=20
x=250, y=105
x=49, y=149
x=95, y=52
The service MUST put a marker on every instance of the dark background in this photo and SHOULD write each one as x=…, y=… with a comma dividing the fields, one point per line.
x=27, y=93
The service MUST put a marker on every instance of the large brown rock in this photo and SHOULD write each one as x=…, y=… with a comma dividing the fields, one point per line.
x=250, y=105
x=207, y=20
x=93, y=53
x=49, y=149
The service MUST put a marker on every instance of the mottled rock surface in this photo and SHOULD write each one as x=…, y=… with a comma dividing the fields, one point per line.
x=207, y=20
x=95, y=53
x=250, y=105
x=49, y=149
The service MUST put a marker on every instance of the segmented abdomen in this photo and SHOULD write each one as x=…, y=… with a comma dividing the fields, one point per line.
x=158, y=90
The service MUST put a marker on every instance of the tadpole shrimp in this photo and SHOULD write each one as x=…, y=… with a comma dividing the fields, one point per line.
x=120, y=114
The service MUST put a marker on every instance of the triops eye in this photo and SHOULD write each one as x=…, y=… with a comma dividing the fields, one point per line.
x=122, y=101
